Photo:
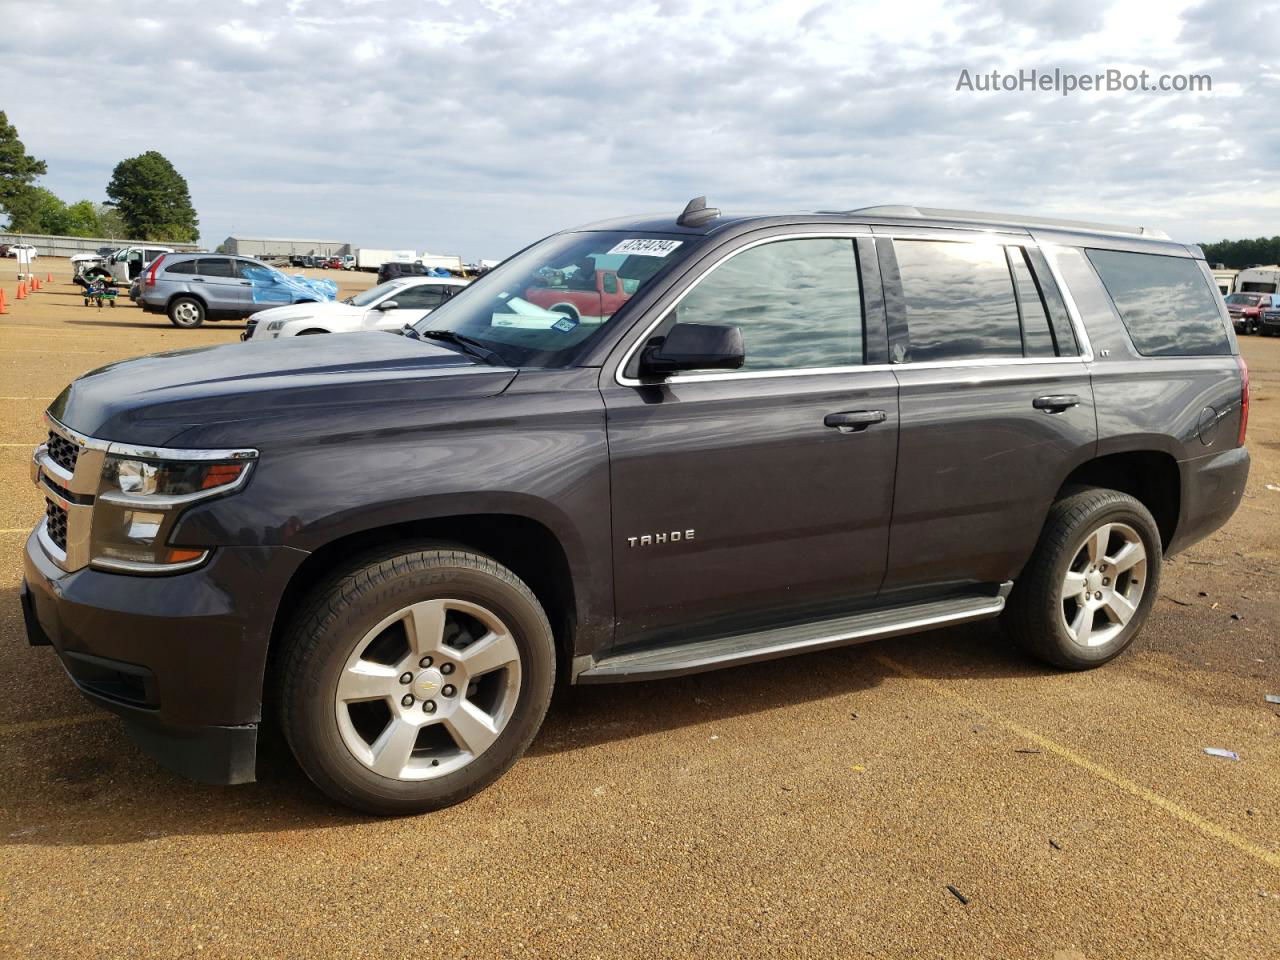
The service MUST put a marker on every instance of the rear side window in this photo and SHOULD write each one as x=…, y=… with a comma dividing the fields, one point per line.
x=1165, y=303
x=182, y=266
x=796, y=301
x=959, y=301
x=214, y=267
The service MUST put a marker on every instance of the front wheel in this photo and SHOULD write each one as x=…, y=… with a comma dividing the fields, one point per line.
x=1089, y=587
x=415, y=678
x=186, y=312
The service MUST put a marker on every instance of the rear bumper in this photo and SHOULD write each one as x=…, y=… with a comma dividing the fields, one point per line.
x=181, y=658
x=1212, y=487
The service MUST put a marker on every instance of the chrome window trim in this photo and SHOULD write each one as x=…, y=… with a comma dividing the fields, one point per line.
x=993, y=236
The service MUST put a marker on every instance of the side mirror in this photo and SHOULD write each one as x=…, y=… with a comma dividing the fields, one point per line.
x=387, y=305
x=694, y=346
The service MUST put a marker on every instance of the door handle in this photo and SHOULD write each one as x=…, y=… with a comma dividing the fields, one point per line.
x=1056, y=403
x=197, y=279
x=854, y=420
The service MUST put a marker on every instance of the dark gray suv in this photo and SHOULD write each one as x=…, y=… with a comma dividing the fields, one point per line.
x=194, y=287
x=634, y=450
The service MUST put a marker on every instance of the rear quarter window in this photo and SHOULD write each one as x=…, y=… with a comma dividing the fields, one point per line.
x=1165, y=303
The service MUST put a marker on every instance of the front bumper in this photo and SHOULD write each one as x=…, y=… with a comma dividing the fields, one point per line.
x=182, y=658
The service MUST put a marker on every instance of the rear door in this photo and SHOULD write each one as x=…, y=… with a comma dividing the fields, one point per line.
x=738, y=502
x=219, y=280
x=996, y=407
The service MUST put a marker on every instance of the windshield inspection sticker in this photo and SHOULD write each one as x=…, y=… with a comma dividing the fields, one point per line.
x=646, y=248
x=565, y=324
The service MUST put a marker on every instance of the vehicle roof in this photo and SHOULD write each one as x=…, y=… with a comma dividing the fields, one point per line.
x=890, y=218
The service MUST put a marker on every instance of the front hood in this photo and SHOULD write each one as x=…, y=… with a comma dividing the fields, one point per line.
x=296, y=311
x=153, y=399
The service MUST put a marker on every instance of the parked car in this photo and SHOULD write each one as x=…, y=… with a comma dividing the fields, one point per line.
x=23, y=251
x=1269, y=321
x=1246, y=309
x=194, y=287
x=388, y=306
x=791, y=434
x=128, y=263
x=400, y=268
x=4, y=249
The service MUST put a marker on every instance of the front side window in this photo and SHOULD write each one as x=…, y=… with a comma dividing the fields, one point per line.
x=366, y=297
x=543, y=306
x=1166, y=304
x=959, y=300
x=797, y=303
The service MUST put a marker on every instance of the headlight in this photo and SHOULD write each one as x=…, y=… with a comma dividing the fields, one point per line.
x=139, y=501
x=275, y=325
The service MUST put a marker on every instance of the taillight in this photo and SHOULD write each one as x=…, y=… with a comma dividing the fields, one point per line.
x=1244, y=400
x=151, y=274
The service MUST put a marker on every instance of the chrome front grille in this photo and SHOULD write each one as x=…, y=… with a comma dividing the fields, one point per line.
x=55, y=519
x=63, y=452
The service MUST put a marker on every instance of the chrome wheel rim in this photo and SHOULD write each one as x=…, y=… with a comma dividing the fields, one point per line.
x=428, y=689
x=1103, y=585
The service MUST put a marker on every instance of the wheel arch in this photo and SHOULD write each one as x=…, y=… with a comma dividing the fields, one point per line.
x=526, y=546
x=186, y=294
x=1150, y=476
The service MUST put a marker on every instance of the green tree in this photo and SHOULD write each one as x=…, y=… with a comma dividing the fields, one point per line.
x=18, y=171
x=82, y=220
x=36, y=210
x=153, y=199
x=110, y=224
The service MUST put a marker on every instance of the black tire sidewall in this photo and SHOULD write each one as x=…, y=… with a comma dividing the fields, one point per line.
x=314, y=667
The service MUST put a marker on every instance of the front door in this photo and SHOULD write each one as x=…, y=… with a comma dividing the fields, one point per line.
x=739, y=500
x=225, y=291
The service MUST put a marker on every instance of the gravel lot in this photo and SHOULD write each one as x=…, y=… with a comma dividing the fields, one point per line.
x=817, y=806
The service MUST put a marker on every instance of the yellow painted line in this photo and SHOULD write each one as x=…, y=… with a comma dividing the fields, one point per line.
x=26, y=398
x=7, y=729
x=16, y=530
x=32, y=444
x=1210, y=829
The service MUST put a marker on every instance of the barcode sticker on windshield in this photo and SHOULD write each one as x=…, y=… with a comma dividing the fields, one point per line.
x=646, y=248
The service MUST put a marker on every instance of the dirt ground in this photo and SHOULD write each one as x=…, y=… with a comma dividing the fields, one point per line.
x=816, y=806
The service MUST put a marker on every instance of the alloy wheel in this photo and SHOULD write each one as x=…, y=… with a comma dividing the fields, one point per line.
x=1103, y=585
x=428, y=690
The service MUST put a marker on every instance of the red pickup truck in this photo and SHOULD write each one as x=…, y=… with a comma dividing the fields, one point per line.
x=563, y=295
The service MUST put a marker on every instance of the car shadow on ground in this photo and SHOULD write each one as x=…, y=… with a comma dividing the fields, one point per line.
x=160, y=322
x=87, y=783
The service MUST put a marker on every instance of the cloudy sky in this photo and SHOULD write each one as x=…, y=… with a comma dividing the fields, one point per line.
x=474, y=127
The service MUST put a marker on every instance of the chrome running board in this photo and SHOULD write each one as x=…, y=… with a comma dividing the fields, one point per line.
x=669, y=661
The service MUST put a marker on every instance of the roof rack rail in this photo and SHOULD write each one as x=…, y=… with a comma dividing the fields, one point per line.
x=975, y=216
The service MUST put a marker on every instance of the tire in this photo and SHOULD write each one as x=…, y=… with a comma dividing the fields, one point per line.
x=186, y=312
x=1045, y=615
x=343, y=694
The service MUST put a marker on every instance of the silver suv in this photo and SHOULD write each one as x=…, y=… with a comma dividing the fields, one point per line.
x=194, y=287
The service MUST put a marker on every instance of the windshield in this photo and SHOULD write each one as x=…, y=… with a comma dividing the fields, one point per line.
x=542, y=306
x=366, y=297
x=1244, y=298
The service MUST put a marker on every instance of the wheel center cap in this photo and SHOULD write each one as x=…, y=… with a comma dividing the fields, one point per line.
x=428, y=683
x=1093, y=581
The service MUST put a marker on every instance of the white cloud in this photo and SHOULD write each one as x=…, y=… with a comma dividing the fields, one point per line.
x=475, y=127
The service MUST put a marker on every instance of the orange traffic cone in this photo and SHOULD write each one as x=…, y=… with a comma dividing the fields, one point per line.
x=48, y=278
x=35, y=283
x=4, y=307
x=22, y=291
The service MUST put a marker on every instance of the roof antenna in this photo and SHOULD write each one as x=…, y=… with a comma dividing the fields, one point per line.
x=696, y=213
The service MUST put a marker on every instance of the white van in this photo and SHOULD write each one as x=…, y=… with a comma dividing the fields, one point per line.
x=129, y=262
x=1258, y=280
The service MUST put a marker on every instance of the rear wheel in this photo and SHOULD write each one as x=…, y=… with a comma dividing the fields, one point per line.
x=416, y=678
x=186, y=312
x=1091, y=584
